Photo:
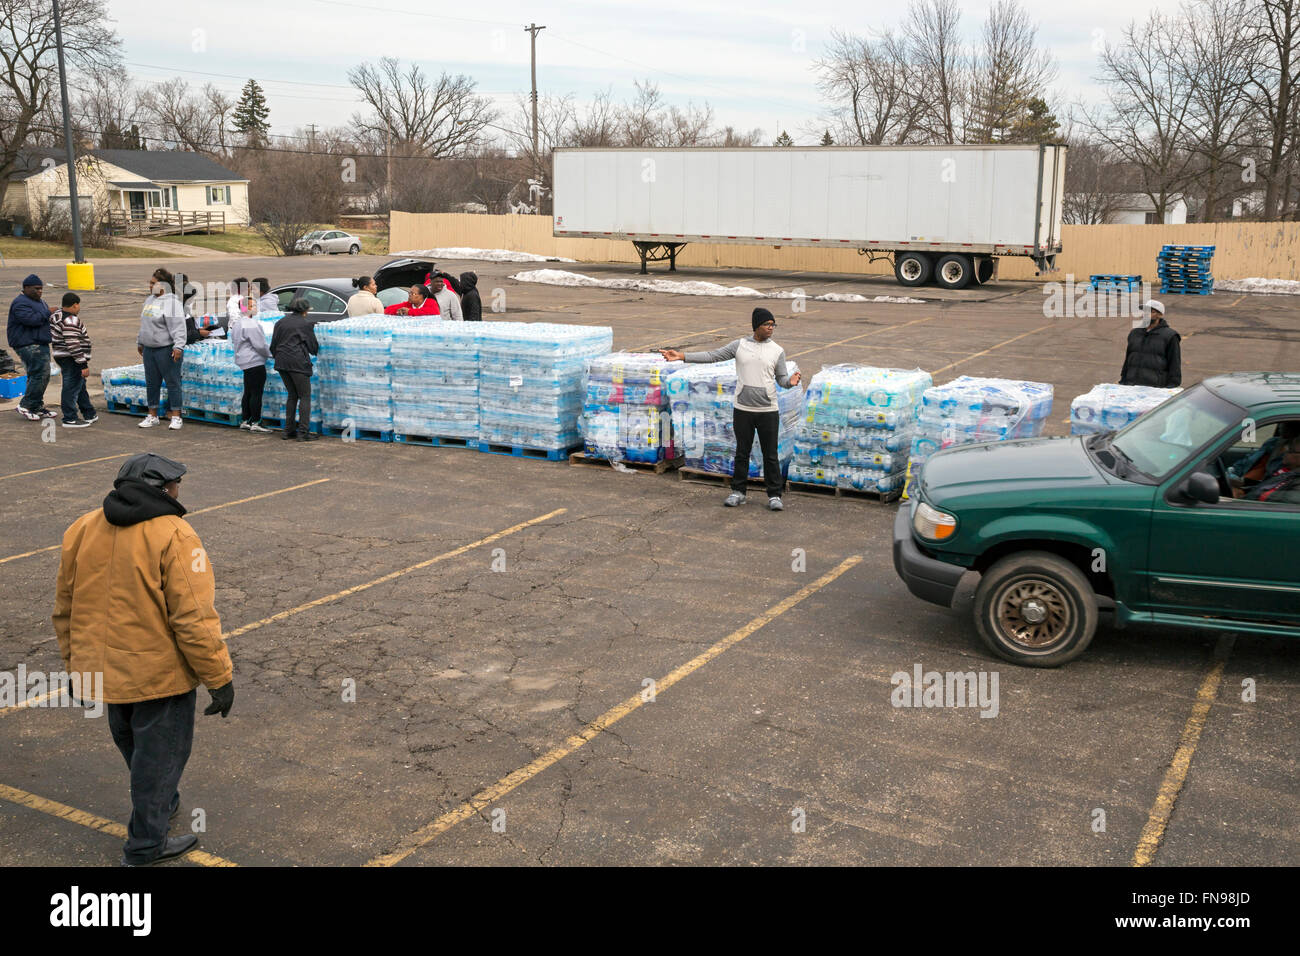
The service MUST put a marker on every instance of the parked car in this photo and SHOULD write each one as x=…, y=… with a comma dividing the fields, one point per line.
x=1141, y=523
x=320, y=241
x=328, y=298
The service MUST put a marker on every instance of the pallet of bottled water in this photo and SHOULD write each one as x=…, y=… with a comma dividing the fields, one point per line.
x=354, y=375
x=857, y=427
x=969, y=410
x=124, y=389
x=530, y=383
x=435, y=381
x=701, y=402
x=625, y=415
x=1109, y=407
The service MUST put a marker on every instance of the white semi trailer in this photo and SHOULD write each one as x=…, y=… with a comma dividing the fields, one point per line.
x=942, y=213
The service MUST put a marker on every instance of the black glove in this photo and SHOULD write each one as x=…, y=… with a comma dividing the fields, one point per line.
x=223, y=698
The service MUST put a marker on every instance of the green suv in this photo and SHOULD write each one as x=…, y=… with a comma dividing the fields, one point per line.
x=1187, y=517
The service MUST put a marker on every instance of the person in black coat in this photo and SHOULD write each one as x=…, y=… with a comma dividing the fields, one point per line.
x=470, y=303
x=293, y=343
x=1154, y=355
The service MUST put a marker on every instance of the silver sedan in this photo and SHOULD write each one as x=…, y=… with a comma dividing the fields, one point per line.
x=321, y=241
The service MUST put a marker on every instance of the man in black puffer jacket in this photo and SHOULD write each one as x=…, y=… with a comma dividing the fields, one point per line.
x=470, y=303
x=1154, y=356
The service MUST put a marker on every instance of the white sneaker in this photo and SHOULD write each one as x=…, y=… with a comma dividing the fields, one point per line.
x=175, y=425
x=245, y=425
x=149, y=421
x=257, y=427
x=774, y=504
x=734, y=500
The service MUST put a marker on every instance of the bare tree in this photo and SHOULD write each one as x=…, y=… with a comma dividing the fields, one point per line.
x=29, y=68
x=596, y=125
x=1274, y=88
x=438, y=118
x=104, y=106
x=940, y=66
x=1148, y=104
x=867, y=82
x=1092, y=193
x=1009, y=71
x=1218, y=62
x=185, y=119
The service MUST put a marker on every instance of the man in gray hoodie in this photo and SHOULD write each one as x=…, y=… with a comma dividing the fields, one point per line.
x=760, y=367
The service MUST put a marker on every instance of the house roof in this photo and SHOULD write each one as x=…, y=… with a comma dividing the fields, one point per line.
x=29, y=161
x=122, y=184
x=171, y=165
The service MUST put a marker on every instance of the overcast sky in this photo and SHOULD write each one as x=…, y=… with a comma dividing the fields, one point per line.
x=753, y=67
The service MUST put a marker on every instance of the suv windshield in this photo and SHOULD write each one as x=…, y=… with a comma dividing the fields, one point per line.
x=1162, y=439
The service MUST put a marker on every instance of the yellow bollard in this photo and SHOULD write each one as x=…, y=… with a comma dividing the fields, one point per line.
x=81, y=276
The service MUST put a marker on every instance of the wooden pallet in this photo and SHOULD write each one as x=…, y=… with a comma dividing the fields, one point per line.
x=650, y=467
x=523, y=451
x=436, y=441
x=270, y=421
x=714, y=478
x=125, y=408
x=834, y=491
x=216, y=418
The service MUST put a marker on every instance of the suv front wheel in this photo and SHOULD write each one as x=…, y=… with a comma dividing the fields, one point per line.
x=1035, y=609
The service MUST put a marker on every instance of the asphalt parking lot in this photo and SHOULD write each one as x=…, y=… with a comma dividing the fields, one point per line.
x=505, y=716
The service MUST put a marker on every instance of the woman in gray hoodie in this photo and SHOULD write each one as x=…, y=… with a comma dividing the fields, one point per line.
x=251, y=355
x=162, y=344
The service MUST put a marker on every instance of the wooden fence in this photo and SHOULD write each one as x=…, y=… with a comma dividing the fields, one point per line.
x=1268, y=250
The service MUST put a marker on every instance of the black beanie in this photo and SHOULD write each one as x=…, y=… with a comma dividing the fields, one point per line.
x=760, y=316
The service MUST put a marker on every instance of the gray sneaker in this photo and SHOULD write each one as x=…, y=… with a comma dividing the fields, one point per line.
x=245, y=426
x=734, y=500
x=257, y=427
x=774, y=504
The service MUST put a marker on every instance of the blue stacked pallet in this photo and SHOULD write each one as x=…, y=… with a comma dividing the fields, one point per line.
x=1116, y=283
x=1185, y=270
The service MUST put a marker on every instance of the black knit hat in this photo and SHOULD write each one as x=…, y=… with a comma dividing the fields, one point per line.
x=760, y=316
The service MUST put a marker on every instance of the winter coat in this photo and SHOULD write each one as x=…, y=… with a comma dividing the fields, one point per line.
x=162, y=322
x=29, y=322
x=134, y=599
x=427, y=307
x=365, y=303
x=1154, y=357
x=69, y=338
x=448, y=303
x=249, y=341
x=293, y=343
x=471, y=305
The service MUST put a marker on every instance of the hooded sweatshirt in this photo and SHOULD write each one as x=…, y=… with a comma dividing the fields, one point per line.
x=448, y=302
x=471, y=305
x=162, y=322
x=760, y=367
x=249, y=341
x=134, y=599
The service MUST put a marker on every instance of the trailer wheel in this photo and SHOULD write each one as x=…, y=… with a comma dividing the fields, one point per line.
x=954, y=271
x=912, y=268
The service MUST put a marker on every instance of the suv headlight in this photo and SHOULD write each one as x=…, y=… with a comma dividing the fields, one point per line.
x=931, y=523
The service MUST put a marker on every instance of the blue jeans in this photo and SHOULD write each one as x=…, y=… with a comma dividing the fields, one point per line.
x=74, y=395
x=159, y=367
x=155, y=738
x=36, y=359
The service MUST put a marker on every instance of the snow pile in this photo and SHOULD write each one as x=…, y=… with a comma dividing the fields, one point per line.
x=693, y=287
x=488, y=255
x=1268, y=286
x=559, y=277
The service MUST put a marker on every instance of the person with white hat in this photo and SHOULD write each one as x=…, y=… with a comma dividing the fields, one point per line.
x=1154, y=355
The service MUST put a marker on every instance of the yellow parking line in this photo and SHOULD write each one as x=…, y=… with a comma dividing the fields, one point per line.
x=82, y=818
x=391, y=575
x=1176, y=775
x=89, y=461
x=228, y=504
x=30, y=702
x=886, y=328
x=991, y=348
x=511, y=781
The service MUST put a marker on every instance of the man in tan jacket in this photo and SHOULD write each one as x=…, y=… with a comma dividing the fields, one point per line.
x=135, y=604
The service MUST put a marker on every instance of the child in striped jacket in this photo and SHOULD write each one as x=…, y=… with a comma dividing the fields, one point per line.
x=70, y=347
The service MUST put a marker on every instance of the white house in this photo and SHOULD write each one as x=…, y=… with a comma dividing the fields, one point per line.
x=127, y=183
x=1137, y=209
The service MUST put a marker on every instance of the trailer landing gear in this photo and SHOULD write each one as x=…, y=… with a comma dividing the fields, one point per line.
x=658, y=252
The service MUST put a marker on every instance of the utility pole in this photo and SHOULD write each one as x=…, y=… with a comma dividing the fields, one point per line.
x=533, y=29
x=388, y=148
x=78, y=255
x=311, y=134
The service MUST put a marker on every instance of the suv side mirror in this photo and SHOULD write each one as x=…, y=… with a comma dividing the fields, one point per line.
x=1203, y=487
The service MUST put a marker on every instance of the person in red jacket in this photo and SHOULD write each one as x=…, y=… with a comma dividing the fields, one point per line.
x=420, y=302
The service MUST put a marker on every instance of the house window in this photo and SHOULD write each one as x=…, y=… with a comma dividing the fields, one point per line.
x=218, y=195
x=166, y=198
x=1153, y=219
